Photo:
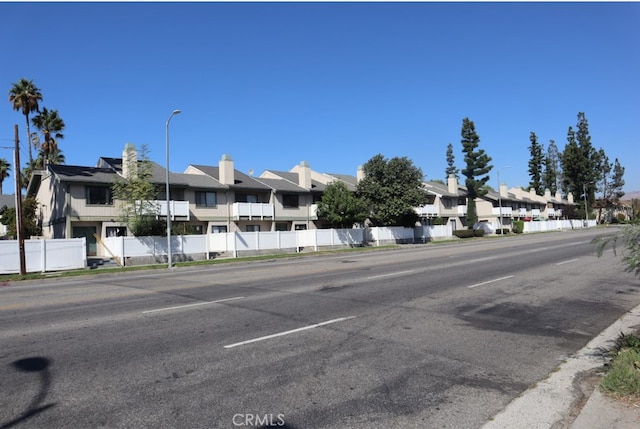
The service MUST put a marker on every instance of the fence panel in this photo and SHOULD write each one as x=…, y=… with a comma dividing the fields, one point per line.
x=43, y=255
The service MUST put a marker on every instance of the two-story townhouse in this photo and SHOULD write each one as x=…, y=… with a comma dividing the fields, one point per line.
x=295, y=195
x=77, y=201
x=249, y=201
x=531, y=206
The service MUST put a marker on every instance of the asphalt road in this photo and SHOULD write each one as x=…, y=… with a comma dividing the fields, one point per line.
x=434, y=336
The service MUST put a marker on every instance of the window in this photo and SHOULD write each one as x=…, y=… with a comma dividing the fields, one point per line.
x=205, y=199
x=218, y=229
x=282, y=226
x=300, y=227
x=253, y=228
x=99, y=195
x=290, y=201
x=116, y=231
x=246, y=198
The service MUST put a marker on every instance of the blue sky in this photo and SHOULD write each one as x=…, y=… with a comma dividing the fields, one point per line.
x=334, y=84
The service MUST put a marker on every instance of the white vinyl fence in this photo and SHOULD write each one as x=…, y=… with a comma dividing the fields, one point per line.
x=235, y=242
x=43, y=255
x=557, y=225
x=154, y=246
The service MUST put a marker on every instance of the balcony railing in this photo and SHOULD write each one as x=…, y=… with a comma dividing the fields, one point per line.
x=179, y=209
x=506, y=211
x=252, y=211
x=428, y=210
x=462, y=210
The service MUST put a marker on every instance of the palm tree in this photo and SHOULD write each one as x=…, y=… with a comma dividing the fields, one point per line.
x=24, y=96
x=49, y=123
x=5, y=167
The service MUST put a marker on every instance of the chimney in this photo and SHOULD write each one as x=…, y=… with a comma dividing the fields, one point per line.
x=226, y=175
x=452, y=184
x=558, y=196
x=570, y=198
x=504, y=193
x=304, y=175
x=129, y=161
x=547, y=194
x=359, y=174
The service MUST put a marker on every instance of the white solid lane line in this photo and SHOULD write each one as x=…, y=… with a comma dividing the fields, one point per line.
x=399, y=273
x=192, y=305
x=280, y=334
x=567, y=262
x=489, y=281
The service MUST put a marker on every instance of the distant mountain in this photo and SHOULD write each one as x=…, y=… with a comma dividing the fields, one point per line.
x=630, y=196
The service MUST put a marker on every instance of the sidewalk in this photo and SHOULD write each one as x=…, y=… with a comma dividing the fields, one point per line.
x=569, y=398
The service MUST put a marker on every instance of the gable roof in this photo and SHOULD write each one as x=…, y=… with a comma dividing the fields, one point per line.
x=294, y=179
x=7, y=201
x=242, y=181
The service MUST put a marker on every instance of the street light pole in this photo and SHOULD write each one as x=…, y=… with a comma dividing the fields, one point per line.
x=584, y=194
x=500, y=199
x=169, y=264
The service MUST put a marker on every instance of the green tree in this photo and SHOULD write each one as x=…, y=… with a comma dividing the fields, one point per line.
x=629, y=239
x=451, y=168
x=50, y=124
x=476, y=171
x=30, y=225
x=551, y=175
x=5, y=168
x=536, y=164
x=135, y=193
x=340, y=207
x=580, y=162
x=24, y=96
x=391, y=190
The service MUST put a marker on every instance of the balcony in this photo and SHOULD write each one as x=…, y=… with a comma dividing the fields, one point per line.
x=428, y=210
x=179, y=209
x=462, y=210
x=506, y=211
x=251, y=211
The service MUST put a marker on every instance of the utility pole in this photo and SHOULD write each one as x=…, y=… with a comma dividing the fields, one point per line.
x=19, y=230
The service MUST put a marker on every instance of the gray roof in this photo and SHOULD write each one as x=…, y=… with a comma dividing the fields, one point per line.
x=293, y=178
x=282, y=185
x=443, y=189
x=159, y=175
x=77, y=173
x=242, y=181
x=7, y=200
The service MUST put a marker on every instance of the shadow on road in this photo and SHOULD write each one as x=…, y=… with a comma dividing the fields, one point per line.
x=36, y=365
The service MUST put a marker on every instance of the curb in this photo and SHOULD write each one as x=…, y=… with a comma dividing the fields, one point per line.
x=552, y=402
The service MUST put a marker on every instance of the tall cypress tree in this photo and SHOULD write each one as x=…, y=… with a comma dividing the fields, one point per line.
x=551, y=176
x=535, y=165
x=590, y=157
x=581, y=163
x=451, y=168
x=476, y=170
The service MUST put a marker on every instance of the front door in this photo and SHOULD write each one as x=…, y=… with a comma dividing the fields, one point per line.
x=87, y=232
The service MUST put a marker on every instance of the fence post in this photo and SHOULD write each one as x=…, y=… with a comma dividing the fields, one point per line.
x=43, y=255
x=122, y=251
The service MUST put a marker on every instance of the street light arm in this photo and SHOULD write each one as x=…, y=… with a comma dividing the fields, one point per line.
x=175, y=112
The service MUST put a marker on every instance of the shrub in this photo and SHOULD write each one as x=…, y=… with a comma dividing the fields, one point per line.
x=623, y=375
x=465, y=233
x=478, y=232
x=518, y=227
